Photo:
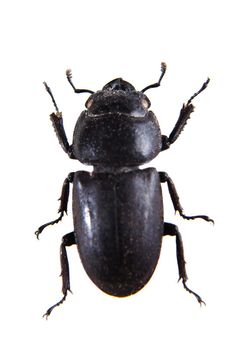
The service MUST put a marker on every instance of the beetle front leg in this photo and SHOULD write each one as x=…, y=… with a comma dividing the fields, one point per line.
x=175, y=198
x=172, y=230
x=63, y=205
x=67, y=240
x=185, y=113
x=58, y=126
x=57, y=122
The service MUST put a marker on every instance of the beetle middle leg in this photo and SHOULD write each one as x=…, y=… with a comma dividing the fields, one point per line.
x=175, y=198
x=63, y=205
x=67, y=240
x=172, y=230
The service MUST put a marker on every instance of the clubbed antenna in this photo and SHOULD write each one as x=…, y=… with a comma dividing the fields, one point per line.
x=155, y=85
x=69, y=78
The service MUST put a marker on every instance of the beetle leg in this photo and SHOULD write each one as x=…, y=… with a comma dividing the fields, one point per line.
x=175, y=198
x=58, y=126
x=185, y=113
x=67, y=240
x=63, y=205
x=57, y=122
x=172, y=230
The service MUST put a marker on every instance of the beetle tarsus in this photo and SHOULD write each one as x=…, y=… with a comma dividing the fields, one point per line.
x=185, y=113
x=51, y=94
x=164, y=177
x=203, y=217
x=41, y=228
x=199, y=299
x=172, y=230
x=57, y=122
x=48, y=312
x=63, y=204
x=204, y=86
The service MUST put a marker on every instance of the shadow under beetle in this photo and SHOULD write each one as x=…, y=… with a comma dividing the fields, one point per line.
x=118, y=208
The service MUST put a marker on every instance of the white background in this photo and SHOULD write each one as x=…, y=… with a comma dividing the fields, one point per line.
x=101, y=40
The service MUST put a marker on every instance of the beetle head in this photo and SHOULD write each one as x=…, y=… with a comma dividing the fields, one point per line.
x=118, y=96
x=117, y=129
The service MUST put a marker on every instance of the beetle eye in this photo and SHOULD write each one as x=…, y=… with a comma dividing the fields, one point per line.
x=89, y=103
x=145, y=103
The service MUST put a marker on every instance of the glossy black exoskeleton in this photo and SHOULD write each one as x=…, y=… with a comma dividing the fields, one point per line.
x=118, y=207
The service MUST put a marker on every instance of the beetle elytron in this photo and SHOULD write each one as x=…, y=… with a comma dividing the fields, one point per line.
x=118, y=207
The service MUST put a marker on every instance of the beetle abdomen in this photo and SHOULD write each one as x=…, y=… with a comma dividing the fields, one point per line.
x=118, y=220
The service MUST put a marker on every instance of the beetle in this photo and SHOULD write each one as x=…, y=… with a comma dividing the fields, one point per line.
x=118, y=207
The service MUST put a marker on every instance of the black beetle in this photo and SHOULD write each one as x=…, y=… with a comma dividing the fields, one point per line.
x=118, y=207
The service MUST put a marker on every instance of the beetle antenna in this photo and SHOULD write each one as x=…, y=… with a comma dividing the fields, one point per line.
x=78, y=91
x=50, y=93
x=155, y=85
x=204, y=86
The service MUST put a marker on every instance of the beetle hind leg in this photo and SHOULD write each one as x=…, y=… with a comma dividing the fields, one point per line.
x=172, y=230
x=67, y=241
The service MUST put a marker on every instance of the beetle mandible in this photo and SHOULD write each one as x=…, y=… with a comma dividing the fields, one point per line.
x=118, y=207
